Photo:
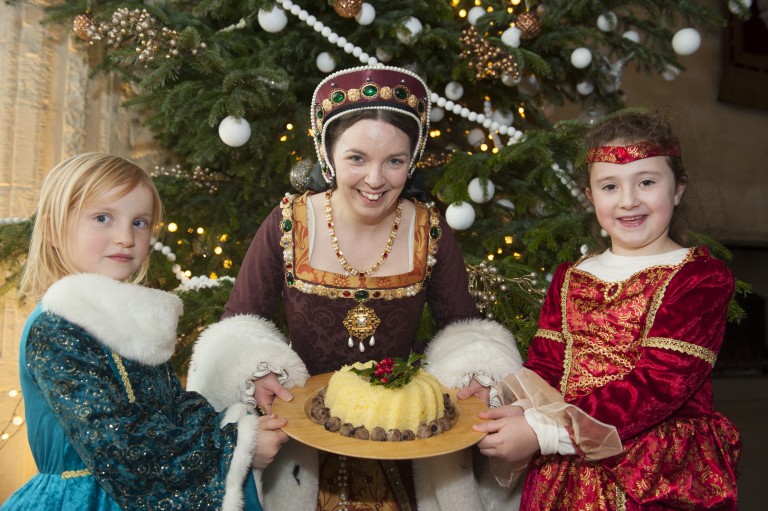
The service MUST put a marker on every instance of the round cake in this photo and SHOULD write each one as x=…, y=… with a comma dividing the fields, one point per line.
x=355, y=406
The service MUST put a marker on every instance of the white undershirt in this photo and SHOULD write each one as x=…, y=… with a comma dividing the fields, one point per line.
x=609, y=267
x=311, y=229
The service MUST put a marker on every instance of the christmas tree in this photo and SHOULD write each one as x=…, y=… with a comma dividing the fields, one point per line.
x=225, y=87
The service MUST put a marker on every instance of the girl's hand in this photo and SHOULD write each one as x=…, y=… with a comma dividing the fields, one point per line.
x=269, y=439
x=267, y=387
x=509, y=435
x=475, y=388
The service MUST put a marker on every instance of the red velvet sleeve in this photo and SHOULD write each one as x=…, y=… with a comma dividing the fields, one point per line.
x=547, y=349
x=677, y=356
x=259, y=283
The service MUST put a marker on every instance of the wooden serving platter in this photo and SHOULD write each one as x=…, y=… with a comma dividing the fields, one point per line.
x=300, y=427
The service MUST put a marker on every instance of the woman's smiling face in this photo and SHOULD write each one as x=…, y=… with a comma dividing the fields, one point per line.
x=371, y=159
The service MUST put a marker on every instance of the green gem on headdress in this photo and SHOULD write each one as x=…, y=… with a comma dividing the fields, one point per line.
x=338, y=96
x=320, y=113
x=370, y=90
x=401, y=93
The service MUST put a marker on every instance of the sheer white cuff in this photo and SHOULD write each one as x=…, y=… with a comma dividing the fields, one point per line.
x=485, y=381
x=553, y=438
x=262, y=369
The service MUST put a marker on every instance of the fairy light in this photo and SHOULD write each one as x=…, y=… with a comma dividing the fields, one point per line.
x=490, y=257
x=223, y=238
x=200, y=230
x=218, y=250
x=283, y=138
x=508, y=239
x=173, y=227
x=463, y=13
x=289, y=126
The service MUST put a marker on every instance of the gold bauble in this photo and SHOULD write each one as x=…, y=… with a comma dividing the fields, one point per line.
x=530, y=24
x=80, y=26
x=347, y=8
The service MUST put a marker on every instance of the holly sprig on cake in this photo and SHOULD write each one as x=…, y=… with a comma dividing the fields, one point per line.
x=392, y=372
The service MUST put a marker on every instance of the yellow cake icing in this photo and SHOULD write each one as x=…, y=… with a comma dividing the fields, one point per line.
x=351, y=398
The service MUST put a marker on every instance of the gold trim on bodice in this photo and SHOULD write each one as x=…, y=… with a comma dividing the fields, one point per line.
x=605, y=326
x=361, y=321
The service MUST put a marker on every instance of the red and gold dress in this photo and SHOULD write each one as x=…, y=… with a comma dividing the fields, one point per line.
x=638, y=354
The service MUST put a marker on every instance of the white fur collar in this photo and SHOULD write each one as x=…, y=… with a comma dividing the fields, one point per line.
x=137, y=322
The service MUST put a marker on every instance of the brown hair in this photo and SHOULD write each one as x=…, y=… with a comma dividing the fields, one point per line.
x=67, y=188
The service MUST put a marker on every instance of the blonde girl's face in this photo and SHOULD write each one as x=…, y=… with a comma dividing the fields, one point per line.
x=111, y=234
x=634, y=203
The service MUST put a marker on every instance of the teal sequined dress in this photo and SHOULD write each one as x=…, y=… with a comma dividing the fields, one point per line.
x=109, y=424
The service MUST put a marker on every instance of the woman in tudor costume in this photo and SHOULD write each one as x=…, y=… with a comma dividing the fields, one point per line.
x=355, y=264
x=615, y=399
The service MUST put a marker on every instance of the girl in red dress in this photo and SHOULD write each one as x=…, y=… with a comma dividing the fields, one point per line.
x=613, y=408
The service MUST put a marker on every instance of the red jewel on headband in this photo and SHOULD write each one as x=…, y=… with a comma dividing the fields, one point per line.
x=621, y=154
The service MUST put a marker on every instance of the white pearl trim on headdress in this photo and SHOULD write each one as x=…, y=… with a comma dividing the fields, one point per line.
x=515, y=135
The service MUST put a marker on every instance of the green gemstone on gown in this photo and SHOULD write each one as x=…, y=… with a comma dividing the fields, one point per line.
x=289, y=278
x=287, y=225
x=370, y=91
x=361, y=295
x=434, y=233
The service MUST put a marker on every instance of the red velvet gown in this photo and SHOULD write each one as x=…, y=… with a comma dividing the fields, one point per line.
x=638, y=354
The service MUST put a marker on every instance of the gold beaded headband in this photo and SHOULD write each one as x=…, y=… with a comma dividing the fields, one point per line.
x=369, y=87
x=630, y=153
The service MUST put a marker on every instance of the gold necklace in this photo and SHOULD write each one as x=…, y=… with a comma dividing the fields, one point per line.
x=351, y=270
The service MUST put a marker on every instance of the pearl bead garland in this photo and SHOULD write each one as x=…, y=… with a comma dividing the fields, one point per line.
x=367, y=59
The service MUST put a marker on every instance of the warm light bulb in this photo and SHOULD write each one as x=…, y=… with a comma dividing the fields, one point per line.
x=173, y=227
x=498, y=250
x=463, y=13
x=517, y=255
x=483, y=147
x=228, y=263
x=217, y=250
x=490, y=257
x=283, y=138
x=188, y=274
x=508, y=240
x=213, y=276
x=200, y=230
x=223, y=238
x=289, y=126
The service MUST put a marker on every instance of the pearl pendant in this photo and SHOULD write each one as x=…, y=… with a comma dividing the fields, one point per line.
x=350, y=342
x=362, y=348
x=372, y=341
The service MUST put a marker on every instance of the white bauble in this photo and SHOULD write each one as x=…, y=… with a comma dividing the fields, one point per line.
x=738, y=7
x=436, y=114
x=585, y=88
x=475, y=136
x=383, y=55
x=670, y=72
x=366, y=15
x=584, y=249
x=474, y=14
x=510, y=80
x=325, y=62
x=454, y=91
x=409, y=31
x=479, y=194
x=506, y=203
x=234, y=131
x=511, y=37
x=686, y=41
x=632, y=36
x=273, y=20
x=529, y=85
x=503, y=116
x=581, y=58
x=607, y=22
x=460, y=215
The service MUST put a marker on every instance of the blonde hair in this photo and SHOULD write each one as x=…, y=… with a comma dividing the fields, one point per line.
x=68, y=188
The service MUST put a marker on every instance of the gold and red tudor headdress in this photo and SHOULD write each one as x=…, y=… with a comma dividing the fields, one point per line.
x=627, y=154
x=369, y=87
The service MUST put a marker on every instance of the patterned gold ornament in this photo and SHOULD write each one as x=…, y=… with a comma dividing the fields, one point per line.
x=530, y=24
x=80, y=26
x=487, y=60
x=347, y=8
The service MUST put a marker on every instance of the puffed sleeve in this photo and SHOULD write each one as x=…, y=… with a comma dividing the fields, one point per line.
x=151, y=445
x=678, y=352
x=465, y=345
x=547, y=349
x=259, y=282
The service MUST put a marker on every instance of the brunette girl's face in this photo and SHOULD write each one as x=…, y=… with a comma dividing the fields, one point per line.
x=371, y=159
x=634, y=203
x=111, y=234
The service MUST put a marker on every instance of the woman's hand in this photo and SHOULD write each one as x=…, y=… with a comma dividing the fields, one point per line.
x=475, y=388
x=269, y=439
x=509, y=435
x=267, y=387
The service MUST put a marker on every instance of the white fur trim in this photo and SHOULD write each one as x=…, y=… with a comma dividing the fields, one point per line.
x=137, y=322
x=242, y=458
x=291, y=481
x=472, y=346
x=227, y=354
